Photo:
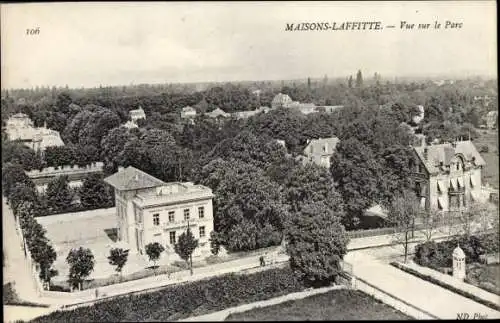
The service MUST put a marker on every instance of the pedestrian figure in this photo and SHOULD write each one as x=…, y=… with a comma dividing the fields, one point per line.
x=96, y=293
x=262, y=261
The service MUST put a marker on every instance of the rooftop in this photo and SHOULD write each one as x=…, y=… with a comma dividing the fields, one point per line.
x=173, y=193
x=443, y=153
x=321, y=146
x=217, y=113
x=132, y=178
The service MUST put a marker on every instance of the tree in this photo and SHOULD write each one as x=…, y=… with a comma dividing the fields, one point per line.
x=359, y=79
x=13, y=174
x=81, y=263
x=185, y=247
x=118, y=258
x=59, y=194
x=402, y=212
x=45, y=256
x=154, y=250
x=430, y=221
x=316, y=243
x=94, y=193
x=248, y=207
x=349, y=82
x=22, y=192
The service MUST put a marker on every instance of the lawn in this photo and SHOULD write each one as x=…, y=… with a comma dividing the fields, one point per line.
x=335, y=305
x=490, y=172
x=485, y=276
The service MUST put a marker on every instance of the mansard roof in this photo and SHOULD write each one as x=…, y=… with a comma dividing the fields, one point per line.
x=132, y=178
x=433, y=155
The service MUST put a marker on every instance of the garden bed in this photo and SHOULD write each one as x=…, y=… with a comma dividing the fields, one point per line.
x=342, y=304
x=486, y=277
x=185, y=300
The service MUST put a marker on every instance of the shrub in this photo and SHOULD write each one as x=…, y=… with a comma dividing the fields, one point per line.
x=184, y=300
x=484, y=149
x=437, y=255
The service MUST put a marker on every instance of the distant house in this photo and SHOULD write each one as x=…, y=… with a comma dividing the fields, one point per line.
x=137, y=114
x=248, y=114
x=328, y=108
x=320, y=150
x=492, y=120
x=130, y=125
x=20, y=127
x=417, y=118
x=188, y=112
x=218, y=113
x=281, y=101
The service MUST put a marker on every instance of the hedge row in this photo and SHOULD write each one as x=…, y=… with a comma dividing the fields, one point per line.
x=449, y=287
x=185, y=300
x=10, y=297
x=439, y=254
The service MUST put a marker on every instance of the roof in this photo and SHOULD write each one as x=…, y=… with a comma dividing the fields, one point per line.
x=458, y=252
x=188, y=109
x=315, y=146
x=217, y=113
x=446, y=152
x=281, y=99
x=132, y=178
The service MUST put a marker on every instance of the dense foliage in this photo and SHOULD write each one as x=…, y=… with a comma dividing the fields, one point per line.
x=316, y=244
x=240, y=159
x=181, y=301
x=439, y=254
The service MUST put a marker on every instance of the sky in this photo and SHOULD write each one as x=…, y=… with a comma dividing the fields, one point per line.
x=92, y=44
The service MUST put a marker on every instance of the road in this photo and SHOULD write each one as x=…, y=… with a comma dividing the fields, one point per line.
x=422, y=294
x=16, y=267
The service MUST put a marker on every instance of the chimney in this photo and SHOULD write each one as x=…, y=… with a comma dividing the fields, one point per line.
x=425, y=153
x=136, y=177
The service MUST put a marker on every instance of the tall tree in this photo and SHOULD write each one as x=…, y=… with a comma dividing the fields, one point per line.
x=403, y=211
x=185, y=247
x=118, y=258
x=316, y=243
x=94, y=193
x=81, y=264
x=349, y=82
x=59, y=195
x=359, y=79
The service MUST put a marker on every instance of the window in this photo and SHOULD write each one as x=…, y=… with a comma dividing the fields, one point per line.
x=172, y=237
x=201, y=212
x=156, y=219
x=186, y=214
x=325, y=148
x=202, y=232
x=171, y=216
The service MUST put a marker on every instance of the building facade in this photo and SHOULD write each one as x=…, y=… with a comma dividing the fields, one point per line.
x=448, y=176
x=319, y=151
x=137, y=114
x=188, y=112
x=281, y=101
x=492, y=120
x=150, y=210
x=20, y=127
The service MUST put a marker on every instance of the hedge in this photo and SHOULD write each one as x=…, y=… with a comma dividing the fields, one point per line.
x=10, y=297
x=449, y=287
x=185, y=300
x=439, y=254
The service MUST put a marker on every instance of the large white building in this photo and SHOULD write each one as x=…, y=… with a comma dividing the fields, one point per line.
x=150, y=210
x=20, y=127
